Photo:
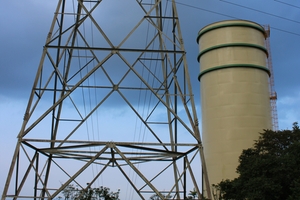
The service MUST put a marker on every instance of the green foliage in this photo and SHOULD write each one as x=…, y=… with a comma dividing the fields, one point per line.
x=193, y=194
x=68, y=192
x=102, y=193
x=269, y=170
x=156, y=197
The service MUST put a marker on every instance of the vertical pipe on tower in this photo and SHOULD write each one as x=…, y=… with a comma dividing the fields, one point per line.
x=235, y=102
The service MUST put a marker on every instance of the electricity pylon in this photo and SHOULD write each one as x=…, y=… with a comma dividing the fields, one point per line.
x=111, y=102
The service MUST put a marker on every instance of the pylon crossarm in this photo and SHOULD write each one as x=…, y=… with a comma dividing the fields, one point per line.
x=114, y=49
x=143, y=147
x=79, y=151
x=103, y=143
x=146, y=151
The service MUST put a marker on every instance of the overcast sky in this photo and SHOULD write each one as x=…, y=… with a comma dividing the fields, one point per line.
x=25, y=24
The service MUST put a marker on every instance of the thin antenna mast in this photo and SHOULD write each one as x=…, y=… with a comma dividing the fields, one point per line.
x=273, y=94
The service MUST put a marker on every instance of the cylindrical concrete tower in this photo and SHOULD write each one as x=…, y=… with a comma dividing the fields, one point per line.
x=234, y=93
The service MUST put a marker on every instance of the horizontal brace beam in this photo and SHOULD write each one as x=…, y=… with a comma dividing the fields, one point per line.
x=119, y=87
x=151, y=59
x=51, y=89
x=105, y=143
x=141, y=159
x=116, y=49
x=163, y=17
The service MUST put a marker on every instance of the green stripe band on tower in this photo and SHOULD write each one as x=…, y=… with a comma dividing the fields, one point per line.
x=232, y=45
x=205, y=30
x=234, y=66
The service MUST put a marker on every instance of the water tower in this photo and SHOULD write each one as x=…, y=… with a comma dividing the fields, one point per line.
x=235, y=99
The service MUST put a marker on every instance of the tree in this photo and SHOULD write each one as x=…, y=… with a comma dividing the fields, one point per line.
x=193, y=194
x=156, y=197
x=106, y=194
x=269, y=170
x=69, y=192
x=102, y=193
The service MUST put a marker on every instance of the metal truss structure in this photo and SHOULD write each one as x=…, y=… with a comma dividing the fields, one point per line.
x=273, y=94
x=111, y=105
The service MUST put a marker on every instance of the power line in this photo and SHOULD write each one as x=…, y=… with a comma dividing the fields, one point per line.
x=246, y=7
x=278, y=29
x=232, y=17
x=287, y=4
x=195, y=7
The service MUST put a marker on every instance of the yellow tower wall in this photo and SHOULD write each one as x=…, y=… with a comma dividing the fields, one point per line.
x=235, y=102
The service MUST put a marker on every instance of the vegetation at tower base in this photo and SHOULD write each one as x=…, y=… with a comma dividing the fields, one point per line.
x=72, y=192
x=102, y=193
x=269, y=170
x=156, y=197
x=192, y=195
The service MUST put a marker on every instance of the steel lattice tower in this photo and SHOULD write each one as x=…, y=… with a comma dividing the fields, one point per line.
x=111, y=102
